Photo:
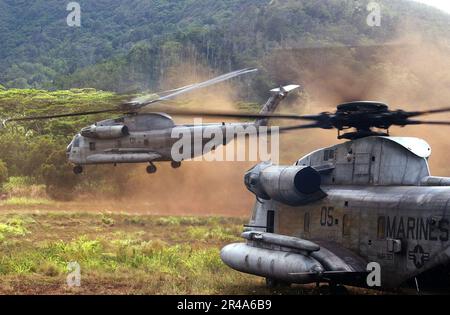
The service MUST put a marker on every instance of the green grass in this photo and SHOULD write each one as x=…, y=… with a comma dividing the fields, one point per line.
x=122, y=254
x=25, y=201
x=118, y=253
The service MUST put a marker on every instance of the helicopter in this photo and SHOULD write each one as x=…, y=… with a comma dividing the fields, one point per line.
x=146, y=137
x=339, y=212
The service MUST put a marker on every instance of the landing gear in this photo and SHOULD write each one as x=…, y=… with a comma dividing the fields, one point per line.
x=151, y=169
x=338, y=289
x=78, y=170
x=333, y=289
x=175, y=164
x=273, y=284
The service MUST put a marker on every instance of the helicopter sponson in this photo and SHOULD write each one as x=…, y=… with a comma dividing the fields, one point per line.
x=105, y=132
x=292, y=185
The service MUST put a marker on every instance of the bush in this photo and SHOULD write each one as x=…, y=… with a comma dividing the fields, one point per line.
x=59, y=179
x=24, y=187
x=3, y=173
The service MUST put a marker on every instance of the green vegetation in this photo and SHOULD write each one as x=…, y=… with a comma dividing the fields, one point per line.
x=142, y=45
x=33, y=154
x=134, y=255
x=13, y=227
x=23, y=201
x=115, y=249
x=3, y=173
x=134, y=45
x=24, y=187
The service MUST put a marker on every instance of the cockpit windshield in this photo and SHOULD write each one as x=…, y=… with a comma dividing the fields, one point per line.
x=69, y=147
x=75, y=143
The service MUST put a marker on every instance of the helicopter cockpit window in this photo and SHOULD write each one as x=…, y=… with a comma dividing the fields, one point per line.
x=328, y=155
x=76, y=142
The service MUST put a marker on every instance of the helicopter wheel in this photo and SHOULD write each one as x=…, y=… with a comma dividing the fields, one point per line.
x=340, y=290
x=333, y=289
x=272, y=284
x=175, y=164
x=151, y=169
x=78, y=170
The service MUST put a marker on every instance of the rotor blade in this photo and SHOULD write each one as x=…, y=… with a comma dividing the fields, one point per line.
x=428, y=112
x=60, y=115
x=299, y=127
x=281, y=129
x=420, y=122
x=246, y=115
x=196, y=86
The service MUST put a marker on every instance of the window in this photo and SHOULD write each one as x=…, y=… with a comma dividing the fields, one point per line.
x=92, y=146
x=328, y=155
x=346, y=225
x=132, y=140
x=270, y=221
x=381, y=230
x=76, y=142
x=146, y=142
x=306, y=222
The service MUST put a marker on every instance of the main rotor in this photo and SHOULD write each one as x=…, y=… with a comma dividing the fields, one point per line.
x=364, y=118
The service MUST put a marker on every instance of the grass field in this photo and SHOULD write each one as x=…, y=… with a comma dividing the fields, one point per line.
x=120, y=253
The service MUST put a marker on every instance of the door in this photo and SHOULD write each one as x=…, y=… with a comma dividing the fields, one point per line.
x=361, y=172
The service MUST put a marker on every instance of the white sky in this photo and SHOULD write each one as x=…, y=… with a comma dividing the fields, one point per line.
x=444, y=5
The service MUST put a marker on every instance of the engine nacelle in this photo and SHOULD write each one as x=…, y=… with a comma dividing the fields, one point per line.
x=105, y=132
x=291, y=185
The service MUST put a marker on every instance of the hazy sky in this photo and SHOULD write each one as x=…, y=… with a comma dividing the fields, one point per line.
x=441, y=4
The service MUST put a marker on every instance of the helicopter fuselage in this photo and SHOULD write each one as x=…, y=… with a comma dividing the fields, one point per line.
x=378, y=204
x=144, y=138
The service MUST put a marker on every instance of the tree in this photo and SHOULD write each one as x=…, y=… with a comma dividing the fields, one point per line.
x=3, y=173
x=58, y=177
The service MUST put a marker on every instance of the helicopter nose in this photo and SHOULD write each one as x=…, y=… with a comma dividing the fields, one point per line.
x=68, y=156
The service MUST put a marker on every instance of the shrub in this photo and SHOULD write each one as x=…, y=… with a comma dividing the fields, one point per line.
x=3, y=173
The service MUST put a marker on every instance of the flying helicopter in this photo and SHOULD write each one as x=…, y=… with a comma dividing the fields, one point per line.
x=338, y=210
x=146, y=137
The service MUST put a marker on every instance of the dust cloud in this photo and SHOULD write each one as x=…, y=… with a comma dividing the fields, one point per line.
x=410, y=72
x=200, y=188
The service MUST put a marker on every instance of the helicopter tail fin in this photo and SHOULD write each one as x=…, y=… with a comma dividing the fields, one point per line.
x=277, y=95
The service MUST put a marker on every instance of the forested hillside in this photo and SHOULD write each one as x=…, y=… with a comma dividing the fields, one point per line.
x=131, y=45
x=324, y=45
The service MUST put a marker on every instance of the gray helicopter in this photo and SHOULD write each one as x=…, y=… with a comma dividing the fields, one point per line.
x=339, y=212
x=140, y=137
